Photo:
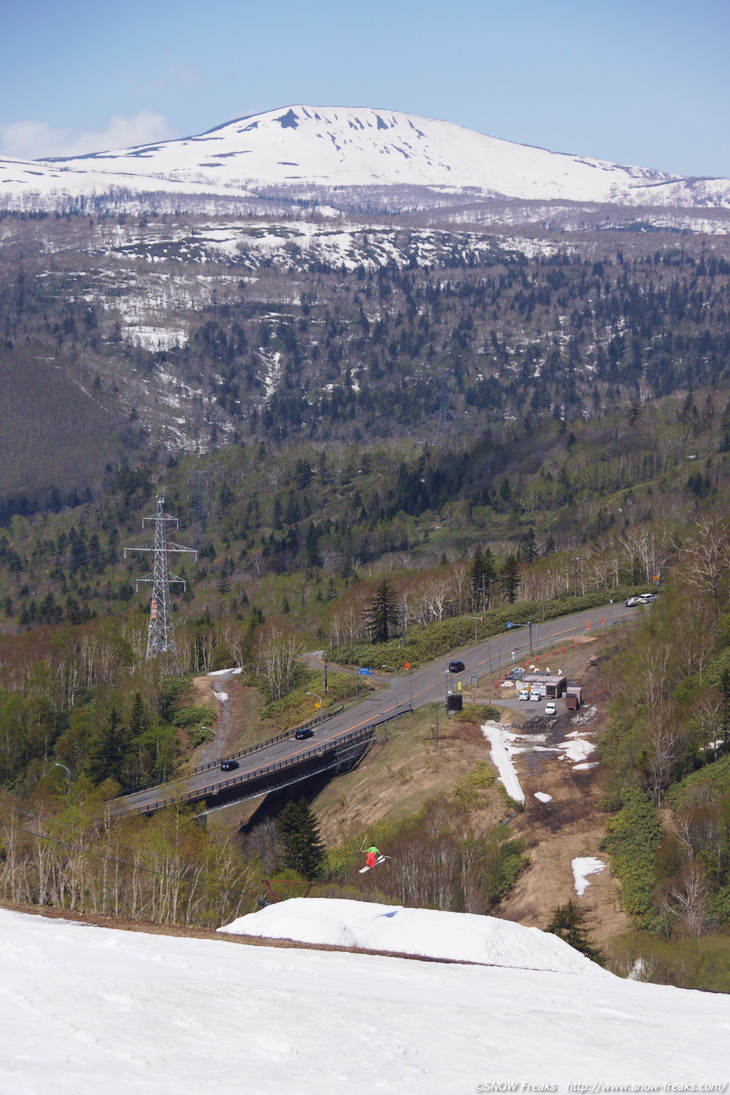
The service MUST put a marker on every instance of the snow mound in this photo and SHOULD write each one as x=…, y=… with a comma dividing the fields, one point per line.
x=460, y=937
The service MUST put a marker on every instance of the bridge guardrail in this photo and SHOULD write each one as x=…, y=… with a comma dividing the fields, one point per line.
x=270, y=741
x=241, y=753
x=268, y=769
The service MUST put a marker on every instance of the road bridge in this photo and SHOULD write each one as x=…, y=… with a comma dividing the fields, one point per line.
x=339, y=740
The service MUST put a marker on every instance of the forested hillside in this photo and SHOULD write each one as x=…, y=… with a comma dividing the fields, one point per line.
x=377, y=451
x=160, y=338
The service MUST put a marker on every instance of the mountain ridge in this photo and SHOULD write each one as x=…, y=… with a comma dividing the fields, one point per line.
x=309, y=152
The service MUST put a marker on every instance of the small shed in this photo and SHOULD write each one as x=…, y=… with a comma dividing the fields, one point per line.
x=573, y=697
x=553, y=686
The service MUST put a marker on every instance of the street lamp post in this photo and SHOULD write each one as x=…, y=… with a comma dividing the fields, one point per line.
x=57, y=764
x=395, y=670
x=575, y=575
x=318, y=697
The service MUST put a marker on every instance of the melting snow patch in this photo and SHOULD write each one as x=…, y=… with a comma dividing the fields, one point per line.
x=543, y=797
x=582, y=867
x=503, y=750
x=578, y=749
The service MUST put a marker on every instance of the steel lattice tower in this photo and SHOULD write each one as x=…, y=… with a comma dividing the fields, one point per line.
x=161, y=631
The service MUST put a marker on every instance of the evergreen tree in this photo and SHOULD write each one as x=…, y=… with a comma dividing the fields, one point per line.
x=381, y=613
x=106, y=756
x=298, y=832
x=509, y=578
x=569, y=923
x=483, y=576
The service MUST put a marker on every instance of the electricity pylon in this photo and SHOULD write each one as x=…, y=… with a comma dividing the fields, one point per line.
x=161, y=631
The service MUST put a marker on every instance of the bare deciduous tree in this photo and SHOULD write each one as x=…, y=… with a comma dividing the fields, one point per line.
x=277, y=661
x=706, y=556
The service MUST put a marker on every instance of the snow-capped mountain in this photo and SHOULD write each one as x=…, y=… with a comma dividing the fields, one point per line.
x=317, y=152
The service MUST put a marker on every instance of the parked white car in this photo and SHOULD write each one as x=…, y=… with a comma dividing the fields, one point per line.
x=535, y=697
x=524, y=695
x=550, y=708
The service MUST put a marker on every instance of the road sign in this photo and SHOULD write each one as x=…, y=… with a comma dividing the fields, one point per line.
x=366, y=672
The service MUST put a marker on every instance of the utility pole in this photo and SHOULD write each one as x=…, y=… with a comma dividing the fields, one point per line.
x=161, y=630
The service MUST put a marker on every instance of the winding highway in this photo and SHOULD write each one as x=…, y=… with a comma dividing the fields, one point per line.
x=401, y=693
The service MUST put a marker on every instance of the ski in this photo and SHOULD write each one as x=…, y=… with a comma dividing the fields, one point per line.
x=378, y=861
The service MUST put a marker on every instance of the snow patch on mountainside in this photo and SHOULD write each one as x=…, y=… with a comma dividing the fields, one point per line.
x=316, y=151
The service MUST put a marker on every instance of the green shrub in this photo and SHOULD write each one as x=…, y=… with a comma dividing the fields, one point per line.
x=478, y=712
x=718, y=906
x=198, y=734
x=188, y=717
x=633, y=835
x=467, y=791
x=711, y=781
x=687, y=963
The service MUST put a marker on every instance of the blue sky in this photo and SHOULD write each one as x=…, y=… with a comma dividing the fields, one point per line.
x=634, y=81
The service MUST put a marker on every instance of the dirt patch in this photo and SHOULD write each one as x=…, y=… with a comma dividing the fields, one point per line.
x=238, y=724
x=401, y=774
x=570, y=826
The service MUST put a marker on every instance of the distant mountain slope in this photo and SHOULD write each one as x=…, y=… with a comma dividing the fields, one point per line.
x=305, y=150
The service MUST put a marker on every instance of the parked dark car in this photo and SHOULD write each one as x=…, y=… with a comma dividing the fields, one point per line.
x=456, y=667
x=228, y=765
x=303, y=732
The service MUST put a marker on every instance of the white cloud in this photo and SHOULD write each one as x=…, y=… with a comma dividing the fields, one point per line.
x=33, y=140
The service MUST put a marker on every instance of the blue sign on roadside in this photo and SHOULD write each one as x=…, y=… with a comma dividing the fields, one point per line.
x=365, y=672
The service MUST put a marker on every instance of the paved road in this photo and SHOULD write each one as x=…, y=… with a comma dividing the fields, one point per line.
x=413, y=689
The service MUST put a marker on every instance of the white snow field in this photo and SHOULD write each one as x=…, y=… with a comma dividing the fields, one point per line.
x=97, y=1011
